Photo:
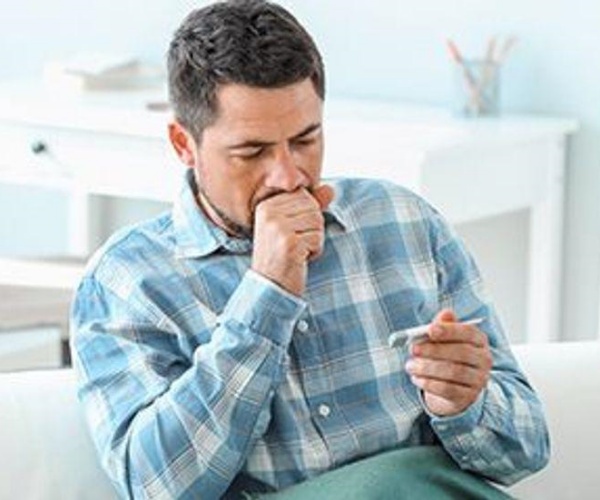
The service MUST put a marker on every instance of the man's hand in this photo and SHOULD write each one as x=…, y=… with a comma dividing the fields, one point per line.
x=452, y=367
x=289, y=230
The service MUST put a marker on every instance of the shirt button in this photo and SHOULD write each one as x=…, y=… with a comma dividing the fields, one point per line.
x=302, y=326
x=324, y=410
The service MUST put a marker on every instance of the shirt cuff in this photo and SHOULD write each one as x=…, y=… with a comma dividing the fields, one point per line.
x=264, y=307
x=464, y=422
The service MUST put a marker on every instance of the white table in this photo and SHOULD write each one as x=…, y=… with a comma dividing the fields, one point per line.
x=110, y=143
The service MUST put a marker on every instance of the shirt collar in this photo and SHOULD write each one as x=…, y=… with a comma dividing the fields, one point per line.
x=336, y=213
x=197, y=236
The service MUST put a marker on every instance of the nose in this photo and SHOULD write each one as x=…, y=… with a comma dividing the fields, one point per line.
x=284, y=173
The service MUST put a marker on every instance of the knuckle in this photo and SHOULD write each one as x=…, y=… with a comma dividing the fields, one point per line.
x=317, y=220
x=317, y=238
x=474, y=356
x=472, y=395
x=488, y=360
x=484, y=339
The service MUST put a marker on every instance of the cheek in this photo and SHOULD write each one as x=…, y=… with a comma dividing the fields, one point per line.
x=234, y=192
x=218, y=178
x=313, y=161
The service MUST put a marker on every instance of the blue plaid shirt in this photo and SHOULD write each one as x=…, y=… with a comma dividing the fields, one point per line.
x=200, y=378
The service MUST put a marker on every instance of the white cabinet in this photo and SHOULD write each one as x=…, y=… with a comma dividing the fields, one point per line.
x=30, y=349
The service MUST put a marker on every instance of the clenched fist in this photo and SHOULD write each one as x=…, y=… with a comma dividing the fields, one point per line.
x=289, y=230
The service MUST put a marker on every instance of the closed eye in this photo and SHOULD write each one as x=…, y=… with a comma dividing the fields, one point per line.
x=307, y=139
x=305, y=142
x=250, y=152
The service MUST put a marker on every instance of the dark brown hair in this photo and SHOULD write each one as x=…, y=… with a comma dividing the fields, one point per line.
x=250, y=42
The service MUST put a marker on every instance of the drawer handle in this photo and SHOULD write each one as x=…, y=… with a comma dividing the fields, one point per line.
x=39, y=147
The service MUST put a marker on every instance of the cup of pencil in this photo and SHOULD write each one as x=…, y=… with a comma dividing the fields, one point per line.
x=477, y=81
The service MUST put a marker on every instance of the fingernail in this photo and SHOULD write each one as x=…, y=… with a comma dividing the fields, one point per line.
x=410, y=365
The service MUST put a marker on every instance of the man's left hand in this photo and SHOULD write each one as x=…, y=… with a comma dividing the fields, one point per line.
x=452, y=367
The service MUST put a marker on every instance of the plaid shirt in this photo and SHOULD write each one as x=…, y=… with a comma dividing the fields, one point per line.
x=200, y=378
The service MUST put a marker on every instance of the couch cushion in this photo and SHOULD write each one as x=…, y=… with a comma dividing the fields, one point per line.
x=46, y=451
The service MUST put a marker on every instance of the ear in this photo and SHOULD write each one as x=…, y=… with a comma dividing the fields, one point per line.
x=183, y=143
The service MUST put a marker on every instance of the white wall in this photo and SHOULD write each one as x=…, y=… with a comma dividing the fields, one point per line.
x=384, y=49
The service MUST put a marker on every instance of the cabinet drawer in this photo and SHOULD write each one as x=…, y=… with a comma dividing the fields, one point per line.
x=103, y=163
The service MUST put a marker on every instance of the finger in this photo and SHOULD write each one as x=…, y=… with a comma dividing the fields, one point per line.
x=446, y=371
x=455, y=393
x=464, y=353
x=291, y=202
x=324, y=195
x=299, y=200
x=446, y=315
x=311, y=244
x=306, y=221
x=458, y=333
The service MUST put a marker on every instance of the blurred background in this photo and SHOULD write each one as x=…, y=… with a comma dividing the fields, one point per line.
x=381, y=50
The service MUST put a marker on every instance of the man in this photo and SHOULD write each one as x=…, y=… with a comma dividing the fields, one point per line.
x=239, y=344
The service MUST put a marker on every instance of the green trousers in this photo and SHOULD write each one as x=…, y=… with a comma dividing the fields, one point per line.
x=420, y=473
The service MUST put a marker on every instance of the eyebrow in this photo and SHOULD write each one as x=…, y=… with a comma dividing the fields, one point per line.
x=255, y=143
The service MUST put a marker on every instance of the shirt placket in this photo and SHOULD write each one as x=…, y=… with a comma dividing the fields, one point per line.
x=319, y=392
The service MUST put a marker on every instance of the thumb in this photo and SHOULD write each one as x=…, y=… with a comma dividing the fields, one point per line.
x=324, y=195
x=445, y=316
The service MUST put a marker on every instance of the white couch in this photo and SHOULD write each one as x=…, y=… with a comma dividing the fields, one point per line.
x=47, y=453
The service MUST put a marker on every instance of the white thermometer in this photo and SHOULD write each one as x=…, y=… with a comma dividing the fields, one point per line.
x=409, y=336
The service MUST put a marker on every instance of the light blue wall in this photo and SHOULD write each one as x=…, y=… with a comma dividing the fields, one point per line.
x=394, y=49
x=385, y=49
x=32, y=32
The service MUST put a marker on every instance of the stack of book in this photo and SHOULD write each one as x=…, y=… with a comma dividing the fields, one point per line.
x=92, y=72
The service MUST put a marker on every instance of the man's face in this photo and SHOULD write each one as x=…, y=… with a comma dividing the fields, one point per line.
x=264, y=142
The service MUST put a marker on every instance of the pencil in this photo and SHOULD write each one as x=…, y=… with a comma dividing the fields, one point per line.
x=475, y=101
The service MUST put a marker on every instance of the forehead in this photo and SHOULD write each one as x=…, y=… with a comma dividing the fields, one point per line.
x=251, y=111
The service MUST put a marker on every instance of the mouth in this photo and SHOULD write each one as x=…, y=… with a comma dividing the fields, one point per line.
x=233, y=227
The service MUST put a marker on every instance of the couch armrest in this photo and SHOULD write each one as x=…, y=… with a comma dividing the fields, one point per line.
x=46, y=450
x=566, y=376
